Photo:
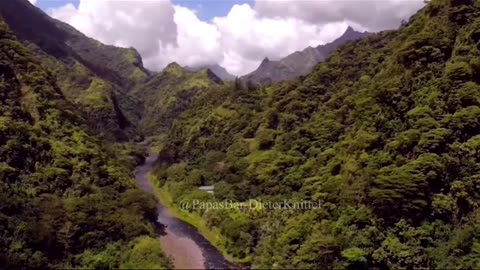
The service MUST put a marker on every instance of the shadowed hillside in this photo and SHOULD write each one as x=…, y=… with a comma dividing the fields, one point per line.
x=90, y=74
x=64, y=201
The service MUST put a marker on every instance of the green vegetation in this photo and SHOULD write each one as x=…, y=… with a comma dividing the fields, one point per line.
x=146, y=253
x=213, y=235
x=172, y=194
x=165, y=96
x=97, y=95
x=384, y=135
x=64, y=201
x=94, y=76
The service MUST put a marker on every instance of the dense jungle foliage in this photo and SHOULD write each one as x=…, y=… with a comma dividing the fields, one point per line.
x=92, y=75
x=67, y=199
x=385, y=135
x=166, y=95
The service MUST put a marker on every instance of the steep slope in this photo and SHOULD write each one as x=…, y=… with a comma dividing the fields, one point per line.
x=166, y=95
x=383, y=137
x=220, y=71
x=299, y=63
x=64, y=201
x=89, y=73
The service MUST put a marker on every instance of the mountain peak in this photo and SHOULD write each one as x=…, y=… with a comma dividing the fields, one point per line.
x=349, y=30
x=212, y=76
x=299, y=63
x=219, y=71
x=174, y=69
x=173, y=65
x=348, y=35
x=265, y=62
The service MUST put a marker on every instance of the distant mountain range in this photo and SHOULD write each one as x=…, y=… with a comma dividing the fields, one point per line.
x=298, y=63
x=291, y=67
x=220, y=71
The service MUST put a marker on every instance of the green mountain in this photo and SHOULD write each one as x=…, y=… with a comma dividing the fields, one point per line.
x=382, y=139
x=64, y=201
x=383, y=136
x=218, y=70
x=90, y=74
x=166, y=95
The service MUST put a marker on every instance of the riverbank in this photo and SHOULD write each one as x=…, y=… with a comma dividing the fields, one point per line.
x=184, y=251
x=182, y=242
x=213, y=236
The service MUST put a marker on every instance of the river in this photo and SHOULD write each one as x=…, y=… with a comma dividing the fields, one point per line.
x=181, y=241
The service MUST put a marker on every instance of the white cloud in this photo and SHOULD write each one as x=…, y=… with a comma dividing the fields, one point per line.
x=372, y=14
x=247, y=38
x=197, y=42
x=239, y=41
x=33, y=2
x=145, y=25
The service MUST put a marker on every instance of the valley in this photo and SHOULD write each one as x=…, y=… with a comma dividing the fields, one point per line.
x=380, y=129
x=180, y=240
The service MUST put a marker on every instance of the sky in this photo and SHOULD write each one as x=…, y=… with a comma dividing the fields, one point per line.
x=206, y=10
x=237, y=34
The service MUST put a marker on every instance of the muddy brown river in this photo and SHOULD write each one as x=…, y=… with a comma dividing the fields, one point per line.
x=181, y=241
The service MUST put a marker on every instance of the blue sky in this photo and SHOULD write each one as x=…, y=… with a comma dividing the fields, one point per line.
x=207, y=9
x=46, y=4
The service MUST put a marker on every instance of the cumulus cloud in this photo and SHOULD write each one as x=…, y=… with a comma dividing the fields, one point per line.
x=247, y=38
x=145, y=25
x=33, y=2
x=197, y=43
x=165, y=33
x=374, y=15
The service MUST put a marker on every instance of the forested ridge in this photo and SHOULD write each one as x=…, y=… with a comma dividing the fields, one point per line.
x=385, y=134
x=166, y=95
x=92, y=75
x=67, y=199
